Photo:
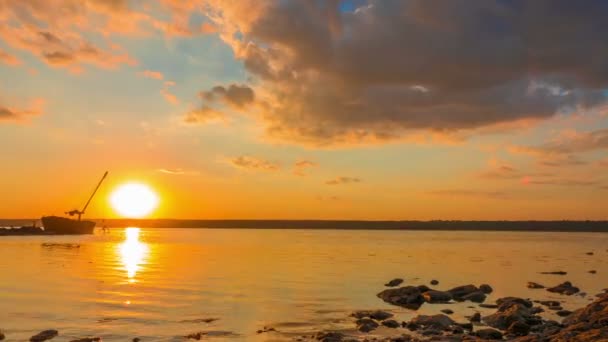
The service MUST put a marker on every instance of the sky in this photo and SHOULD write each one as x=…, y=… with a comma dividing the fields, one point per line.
x=379, y=109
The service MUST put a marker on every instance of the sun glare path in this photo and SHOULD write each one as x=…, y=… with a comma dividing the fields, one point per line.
x=132, y=252
x=134, y=200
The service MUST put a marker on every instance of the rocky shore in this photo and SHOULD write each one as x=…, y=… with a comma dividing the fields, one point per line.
x=22, y=231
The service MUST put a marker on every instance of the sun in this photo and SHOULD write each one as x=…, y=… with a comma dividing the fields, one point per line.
x=134, y=200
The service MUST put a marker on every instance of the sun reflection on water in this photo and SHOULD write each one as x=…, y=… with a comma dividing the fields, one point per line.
x=133, y=253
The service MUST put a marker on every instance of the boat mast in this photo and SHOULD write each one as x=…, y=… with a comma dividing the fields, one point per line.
x=81, y=212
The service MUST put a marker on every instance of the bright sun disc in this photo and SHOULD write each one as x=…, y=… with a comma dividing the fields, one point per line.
x=134, y=200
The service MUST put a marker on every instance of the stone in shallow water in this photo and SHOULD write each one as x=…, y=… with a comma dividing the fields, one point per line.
x=565, y=288
x=394, y=282
x=439, y=321
x=434, y=282
x=409, y=297
x=44, y=335
x=2, y=336
x=475, y=318
x=518, y=329
x=476, y=297
x=555, y=272
x=533, y=285
x=374, y=314
x=461, y=291
x=433, y=296
x=366, y=325
x=88, y=339
x=391, y=323
x=563, y=313
x=447, y=311
x=485, y=288
x=488, y=306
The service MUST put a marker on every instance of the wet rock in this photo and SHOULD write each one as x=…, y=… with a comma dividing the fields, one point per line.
x=434, y=282
x=2, y=336
x=593, y=271
x=555, y=272
x=589, y=253
x=509, y=312
x=533, y=285
x=391, y=323
x=565, y=288
x=518, y=328
x=476, y=297
x=447, y=311
x=587, y=324
x=489, y=334
x=439, y=321
x=329, y=337
x=457, y=330
x=88, y=339
x=265, y=330
x=411, y=326
x=437, y=296
x=549, y=303
x=394, y=282
x=44, y=335
x=485, y=288
x=476, y=318
x=378, y=315
x=210, y=334
x=466, y=326
x=508, y=300
x=366, y=325
x=488, y=306
x=136, y=339
x=200, y=320
x=461, y=291
x=555, y=308
x=409, y=297
x=563, y=313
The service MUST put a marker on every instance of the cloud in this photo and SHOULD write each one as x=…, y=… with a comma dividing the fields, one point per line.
x=252, y=163
x=8, y=59
x=177, y=171
x=562, y=161
x=235, y=95
x=326, y=76
x=204, y=115
x=568, y=143
x=561, y=182
x=469, y=193
x=12, y=114
x=170, y=97
x=343, y=180
x=300, y=167
x=157, y=75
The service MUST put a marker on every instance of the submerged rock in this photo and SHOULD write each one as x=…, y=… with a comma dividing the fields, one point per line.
x=374, y=314
x=509, y=312
x=555, y=272
x=2, y=336
x=476, y=297
x=366, y=324
x=447, y=311
x=476, y=318
x=565, y=288
x=394, y=282
x=533, y=285
x=434, y=282
x=329, y=337
x=461, y=291
x=563, y=313
x=488, y=306
x=88, y=339
x=593, y=271
x=44, y=335
x=489, y=334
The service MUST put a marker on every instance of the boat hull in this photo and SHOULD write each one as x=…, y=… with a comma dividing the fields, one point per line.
x=62, y=225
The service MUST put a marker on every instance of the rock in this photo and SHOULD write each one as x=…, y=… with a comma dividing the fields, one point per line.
x=485, y=288
x=461, y=291
x=457, y=330
x=136, y=339
x=437, y=296
x=533, y=285
x=394, y=282
x=589, y=253
x=563, y=313
x=476, y=318
x=586, y=324
x=378, y=315
x=555, y=272
x=439, y=321
x=509, y=312
x=565, y=288
x=88, y=339
x=409, y=297
x=593, y=271
x=2, y=336
x=488, y=306
x=489, y=334
x=391, y=323
x=411, y=326
x=329, y=337
x=555, y=308
x=434, y=282
x=366, y=325
x=549, y=303
x=44, y=335
x=465, y=326
x=509, y=300
x=447, y=311
x=476, y=297
x=518, y=328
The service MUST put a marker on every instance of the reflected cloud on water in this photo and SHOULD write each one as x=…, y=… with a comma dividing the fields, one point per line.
x=133, y=253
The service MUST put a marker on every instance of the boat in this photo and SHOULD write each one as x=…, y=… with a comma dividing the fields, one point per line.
x=68, y=226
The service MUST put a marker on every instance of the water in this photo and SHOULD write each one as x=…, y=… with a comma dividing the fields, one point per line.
x=159, y=284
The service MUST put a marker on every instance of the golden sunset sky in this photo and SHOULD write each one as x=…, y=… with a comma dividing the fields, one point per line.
x=307, y=109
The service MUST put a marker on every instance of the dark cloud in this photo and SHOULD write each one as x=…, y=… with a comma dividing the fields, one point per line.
x=391, y=66
x=235, y=95
x=569, y=143
x=343, y=180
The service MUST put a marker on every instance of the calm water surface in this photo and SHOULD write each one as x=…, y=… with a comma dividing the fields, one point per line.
x=158, y=284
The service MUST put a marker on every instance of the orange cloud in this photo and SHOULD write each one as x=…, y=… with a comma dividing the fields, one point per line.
x=8, y=59
x=300, y=167
x=252, y=163
x=343, y=180
x=157, y=75
x=12, y=114
x=167, y=93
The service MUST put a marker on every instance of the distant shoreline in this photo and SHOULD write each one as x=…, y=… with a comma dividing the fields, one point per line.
x=439, y=225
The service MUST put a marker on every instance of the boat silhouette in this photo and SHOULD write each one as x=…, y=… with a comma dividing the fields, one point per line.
x=65, y=225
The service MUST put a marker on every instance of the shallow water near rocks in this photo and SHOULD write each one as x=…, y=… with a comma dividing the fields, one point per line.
x=163, y=284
